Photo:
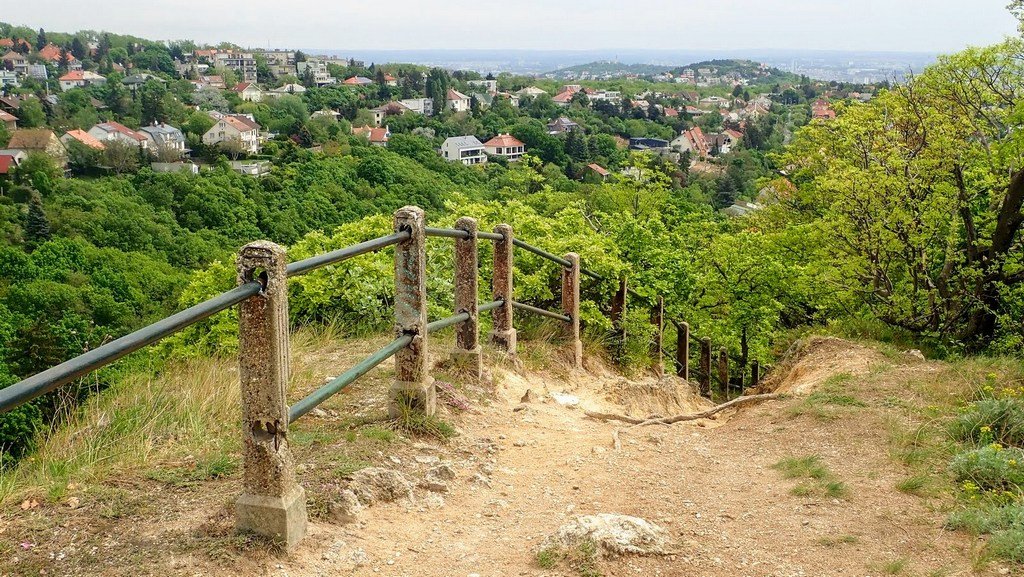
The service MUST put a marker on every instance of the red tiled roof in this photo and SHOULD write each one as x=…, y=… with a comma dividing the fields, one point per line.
x=6, y=162
x=5, y=117
x=456, y=95
x=504, y=140
x=373, y=134
x=598, y=169
x=241, y=86
x=51, y=52
x=85, y=138
x=241, y=123
x=671, y=112
x=737, y=135
x=564, y=96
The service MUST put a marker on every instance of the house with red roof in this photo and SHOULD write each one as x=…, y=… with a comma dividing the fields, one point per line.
x=823, y=110
x=506, y=146
x=694, y=141
x=248, y=91
x=42, y=140
x=9, y=121
x=112, y=131
x=357, y=81
x=457, y=101
x=595, y=173
x=52, y=53
x=390, y=80
x=82, y=137
x=9, y=160
x=240, y=128
x=80, y=79
x=376, y=136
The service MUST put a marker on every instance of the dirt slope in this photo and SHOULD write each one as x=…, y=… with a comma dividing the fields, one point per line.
x=523, y=469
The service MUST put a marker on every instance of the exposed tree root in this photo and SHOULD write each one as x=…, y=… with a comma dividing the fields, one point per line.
x=679, y=418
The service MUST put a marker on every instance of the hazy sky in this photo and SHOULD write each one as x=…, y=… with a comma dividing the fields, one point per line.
x=905, y=25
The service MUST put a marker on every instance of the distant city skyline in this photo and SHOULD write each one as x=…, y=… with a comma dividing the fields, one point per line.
x=879, y=25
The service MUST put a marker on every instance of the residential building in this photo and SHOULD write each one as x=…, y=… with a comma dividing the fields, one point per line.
x=694, y=141
x=80, y=79
x=317, y=69
x=286, y=89
x=134, y=81
x=424, y=106
x=695, y=112
x=9, y=160
x=390, y=80
x=376, y=136
x=723, y=142
x=9, y=78
x=357, y=81
x=280, y=62
x=52, y=53
x=388, y=109
x=41, y=140
x=613, y=96
x=564, y=98
x=242, y=63
x=235, y=127
x=644, y=143
x=489, y=86
x=562, y=125
x=465, y=149
x=38, y=71
x=164, y=137
x=507, y=146
x=248, y=92
x=15, y=62
x=111, y=131
x=457, y=101
x=530, y=92
x=822, y=110
x=741, y=208
x=595, y=172
x=715, y=102
x=82, y=137
x=9, y=121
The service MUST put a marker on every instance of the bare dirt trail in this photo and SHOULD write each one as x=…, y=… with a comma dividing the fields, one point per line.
x=710, y=484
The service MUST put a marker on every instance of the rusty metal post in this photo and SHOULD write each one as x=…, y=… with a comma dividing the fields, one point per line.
x=272, y=503
x=503, y=334
x=467, y=355
x=658, y=320
x=413, y=388
x=705, y=367
x=723, y=370
x=683, y=350
x=571, y=306
x=755, y=373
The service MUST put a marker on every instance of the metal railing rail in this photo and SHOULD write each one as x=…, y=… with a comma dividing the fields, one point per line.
x=541, y=312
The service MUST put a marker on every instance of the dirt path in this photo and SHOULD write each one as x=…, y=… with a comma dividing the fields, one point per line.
x=710, y=484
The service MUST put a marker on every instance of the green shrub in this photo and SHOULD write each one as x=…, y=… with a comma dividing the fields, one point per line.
x=991, y=420
x=990, y=468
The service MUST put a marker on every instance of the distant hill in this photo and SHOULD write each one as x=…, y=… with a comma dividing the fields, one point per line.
x=722, y=71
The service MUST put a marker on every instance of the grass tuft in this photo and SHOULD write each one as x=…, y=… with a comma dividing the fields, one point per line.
x=821, y=481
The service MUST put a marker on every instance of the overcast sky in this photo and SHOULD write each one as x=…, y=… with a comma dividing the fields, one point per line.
x=903, y=25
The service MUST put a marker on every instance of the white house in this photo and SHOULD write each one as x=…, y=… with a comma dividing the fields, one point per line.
x=490, y=86
x=507, y=146
x=530, y=92
x=248, y=92
x=465, y=149
x=115, y=131
x=424, y=106
x=457, y=101
x=286, y=89
x=164, y=137
x=235, y=127
x=80, y=79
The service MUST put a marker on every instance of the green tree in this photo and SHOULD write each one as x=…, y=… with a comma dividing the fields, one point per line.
x=41, y=41
x=31, y=114
x=37, y=226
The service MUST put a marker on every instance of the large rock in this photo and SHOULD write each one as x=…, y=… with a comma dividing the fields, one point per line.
x=377, y=484
x=612, y=535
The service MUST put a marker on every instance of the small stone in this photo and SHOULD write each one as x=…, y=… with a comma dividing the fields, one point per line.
x=435, y=486
x=442, y=472
x=519, y=443
x=318, y=413
x=345, y=508
x=73, y=502
x=426, y=459
x=529, y=397
x=597, y=450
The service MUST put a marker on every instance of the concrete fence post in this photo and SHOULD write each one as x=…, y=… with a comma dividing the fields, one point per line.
x=413, y=389
x=705, y=367
x=723, y=370
x=658, y=320
x=571, y=306
x=272, y=503
x=503, y=334
x=683, y=350
x=467, y=354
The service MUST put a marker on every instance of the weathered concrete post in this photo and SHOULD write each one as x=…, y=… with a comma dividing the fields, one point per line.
x=618, y=314
x=683, y=350
x=658, y=320
x=272, y=503
x=467, y=354
x=705, y=367
x=755, y=373
x=503, y=334
x=413, y=388
x=571, y=306
x=723, y=370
